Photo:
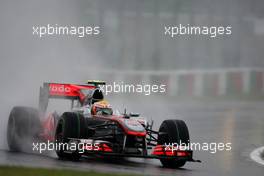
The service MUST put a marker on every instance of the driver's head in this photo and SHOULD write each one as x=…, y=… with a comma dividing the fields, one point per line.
x=101, y=108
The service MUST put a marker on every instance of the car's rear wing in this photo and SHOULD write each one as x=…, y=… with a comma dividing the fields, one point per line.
x=65, y=91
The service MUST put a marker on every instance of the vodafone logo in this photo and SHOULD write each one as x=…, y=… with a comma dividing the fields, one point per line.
x=59, y=88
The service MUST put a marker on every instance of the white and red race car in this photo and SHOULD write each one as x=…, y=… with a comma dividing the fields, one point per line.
x=105, y=134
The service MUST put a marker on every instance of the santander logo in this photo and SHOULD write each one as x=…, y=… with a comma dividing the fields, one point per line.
x=58, y=88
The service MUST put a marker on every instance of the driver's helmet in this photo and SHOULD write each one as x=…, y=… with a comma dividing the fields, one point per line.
x=101, y=108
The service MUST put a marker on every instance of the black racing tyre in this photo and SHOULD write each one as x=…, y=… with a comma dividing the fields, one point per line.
x=173, y=131
x=70, y=125
x=23, y=128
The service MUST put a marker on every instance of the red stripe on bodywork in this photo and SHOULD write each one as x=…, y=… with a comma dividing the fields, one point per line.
x=68, y=90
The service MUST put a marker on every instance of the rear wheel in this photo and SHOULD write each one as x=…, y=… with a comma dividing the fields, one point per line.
x=23, y=128
x=70, y=125
x=173, y=131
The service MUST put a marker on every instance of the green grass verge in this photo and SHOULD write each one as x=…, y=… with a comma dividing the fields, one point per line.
x=24, y=171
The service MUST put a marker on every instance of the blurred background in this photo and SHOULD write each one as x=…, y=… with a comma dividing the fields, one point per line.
x=132, y=46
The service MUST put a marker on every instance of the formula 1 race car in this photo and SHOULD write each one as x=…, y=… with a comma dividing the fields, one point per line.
x=95, y=129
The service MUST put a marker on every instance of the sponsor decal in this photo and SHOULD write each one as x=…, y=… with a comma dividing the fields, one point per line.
x=59, y=88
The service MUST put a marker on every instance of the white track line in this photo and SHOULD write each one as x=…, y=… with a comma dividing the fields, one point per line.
x=255, y=155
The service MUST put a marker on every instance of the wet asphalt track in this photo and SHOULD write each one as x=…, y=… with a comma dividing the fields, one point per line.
x=242, y=124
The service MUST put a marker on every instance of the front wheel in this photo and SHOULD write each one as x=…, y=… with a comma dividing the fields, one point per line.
x=173, y=131
x=70, y=125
